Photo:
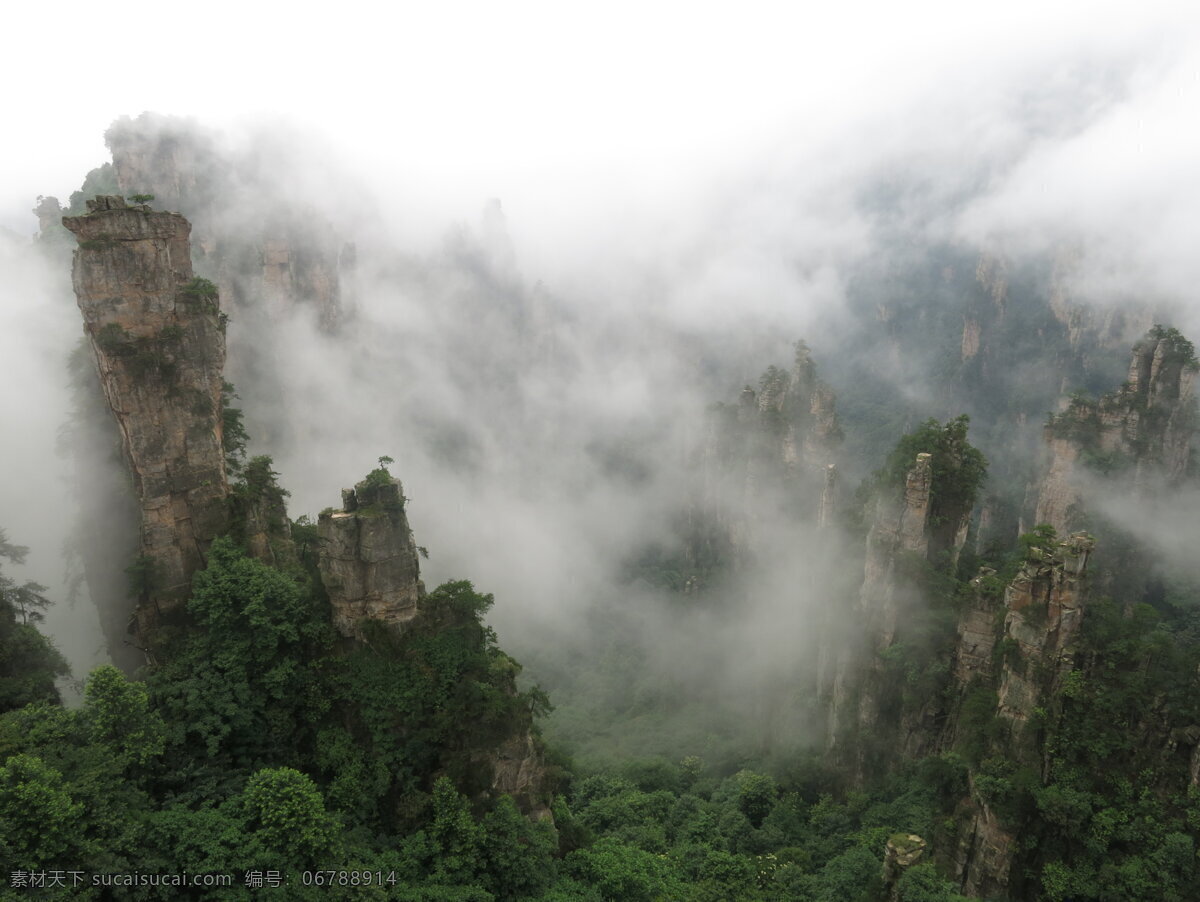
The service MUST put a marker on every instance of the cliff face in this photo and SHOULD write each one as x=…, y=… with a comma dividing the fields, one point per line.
x=1141, y=432
x=159, y=343
x=368, y=559
x=918, y=526
x=1044, y=607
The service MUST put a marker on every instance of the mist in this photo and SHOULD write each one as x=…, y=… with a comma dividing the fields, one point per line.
x=566, y=251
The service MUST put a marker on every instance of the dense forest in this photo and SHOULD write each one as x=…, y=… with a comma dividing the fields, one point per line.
x=788, y=630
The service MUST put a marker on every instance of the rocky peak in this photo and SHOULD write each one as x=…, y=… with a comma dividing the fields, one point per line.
x=899, y=528
x=368, y=559
x=159, y=341
x=1145, y=429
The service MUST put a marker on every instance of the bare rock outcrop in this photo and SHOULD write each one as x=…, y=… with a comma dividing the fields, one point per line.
x=368, y=559
x=1142, y=431
x=1045, y=604
x=983, y=857
x=519, y=770
x=1044, y=607
x=159, y=341
x=903, y=850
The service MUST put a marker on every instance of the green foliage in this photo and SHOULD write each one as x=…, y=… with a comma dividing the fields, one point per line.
x=379, y=477
x=621, y=872
x=233, y=430
x=756, y=796
x=1042, y=538
x=39, y=819
x=1178, y=348
x=141, y=198
x=241, y=688
x=29, y=662
x=118, y=716
x=958, y=468
x=922, y=883
x=287, y=816
x=199, y=289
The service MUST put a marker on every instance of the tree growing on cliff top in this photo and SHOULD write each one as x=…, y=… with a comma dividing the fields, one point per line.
x=959, y=468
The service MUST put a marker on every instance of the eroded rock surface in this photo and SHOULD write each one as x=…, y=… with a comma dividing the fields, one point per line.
x=368, y=559
x=159, y=343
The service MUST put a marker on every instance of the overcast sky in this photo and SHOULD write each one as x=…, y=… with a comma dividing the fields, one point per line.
x=574, y=113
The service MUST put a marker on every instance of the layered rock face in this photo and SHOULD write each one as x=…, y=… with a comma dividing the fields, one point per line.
x=159, y=343
x=1142, y=431
x=983, y=859
x=882, y=708
x=1044, y=608
x=976, y=639
x=368, y=559
x=897, y=529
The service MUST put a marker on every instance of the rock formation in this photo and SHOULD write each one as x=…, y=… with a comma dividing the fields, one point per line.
x=1142, y=431
x=159, y=340
x=1044, y=605
x=902, y=851
x=158, y=337
x=368, y=558
x=1044, y=608
x=519, y=770
x=370, y=568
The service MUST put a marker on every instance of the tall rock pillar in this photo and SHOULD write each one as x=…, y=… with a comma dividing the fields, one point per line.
x=159, y=341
